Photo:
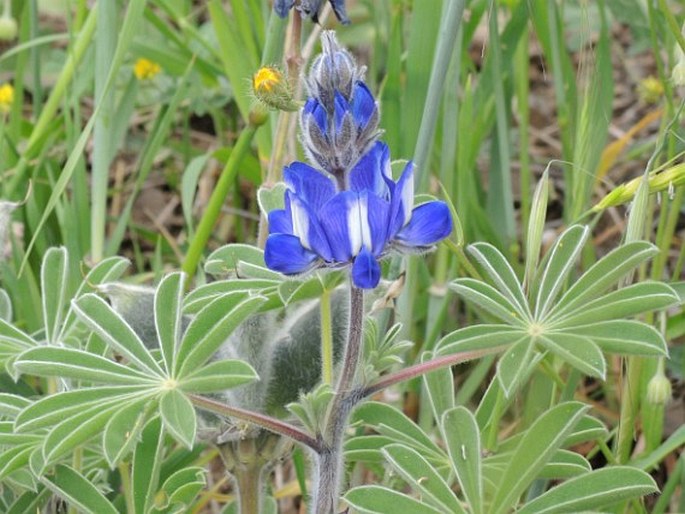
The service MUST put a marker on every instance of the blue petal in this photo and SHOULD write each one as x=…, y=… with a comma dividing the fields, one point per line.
x=309, y=184
x=284, y=253
x=281, y=7
x=335, y=221
x=430, y=222
x=306, y=227
x=368, y=173
x=363, y=104
x=280, y=222
x=378, y=213
x=314, y=108
x=402, y=201
x=339, y=10
x=341, y=107
x=366, y=272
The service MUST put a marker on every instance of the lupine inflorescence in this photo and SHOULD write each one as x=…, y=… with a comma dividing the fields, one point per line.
x=311, y=8
x=350, y=211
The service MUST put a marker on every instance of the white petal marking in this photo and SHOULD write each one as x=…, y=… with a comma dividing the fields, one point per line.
x=408, y=196
x=364, y=221
x=354, y=227
x=300, y=222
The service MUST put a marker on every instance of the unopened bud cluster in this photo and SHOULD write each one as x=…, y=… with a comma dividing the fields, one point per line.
x=339, y=121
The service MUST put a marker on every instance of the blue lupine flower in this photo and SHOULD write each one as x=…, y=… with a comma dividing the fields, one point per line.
x=323, y=225
x=335, y=137
x=311, y=8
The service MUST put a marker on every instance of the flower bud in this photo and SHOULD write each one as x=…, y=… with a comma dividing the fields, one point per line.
x=8, y=28
x=659, y=389
x=333, y=70
x=272, y=89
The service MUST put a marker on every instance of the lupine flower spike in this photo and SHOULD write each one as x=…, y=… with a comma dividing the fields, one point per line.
x=351, y=212
x=311, y=8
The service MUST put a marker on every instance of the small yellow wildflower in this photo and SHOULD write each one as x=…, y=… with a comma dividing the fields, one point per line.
x=6, y=97
x=272, y=88
x=650, y=90
x=145, y=69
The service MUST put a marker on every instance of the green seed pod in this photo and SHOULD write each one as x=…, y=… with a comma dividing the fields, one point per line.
x=8, y=28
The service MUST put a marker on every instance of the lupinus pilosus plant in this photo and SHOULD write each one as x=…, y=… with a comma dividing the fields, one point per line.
x=348, y=213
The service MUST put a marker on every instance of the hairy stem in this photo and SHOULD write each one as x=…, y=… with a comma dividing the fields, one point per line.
x=326, y=338
x=266, y=422
x=329, y=459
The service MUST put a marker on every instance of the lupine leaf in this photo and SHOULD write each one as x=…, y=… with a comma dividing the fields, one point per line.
x=54, y=279
x=76, y=430
x=374, y=499
x=12, y=459
x=107, y=270
x=199, y=298
x=11, y=405
x=593, y=490
x=211, y=327
x=565, y=464
x=439, y=385
x=51, y=409
x=147, y=460
x=183, y=486
x=535, y=449
x=14, y=336
x=77, y=364
x=462, y=438
x=498, y=269
x=179, y=417
x=561, y=260
x=30, y=501
x=388, y=420
x=625, y=337
x=123, y=430
x=628, y=301
x=5, y=306
x=511, y=366
x=603, y=274
x=110, y=326
x=416, y=471
x=227, y=258
x=489, y=299
x=479, y=337
x=580, y=352
x=168, y=302
x=218, y=376
x=78, y=491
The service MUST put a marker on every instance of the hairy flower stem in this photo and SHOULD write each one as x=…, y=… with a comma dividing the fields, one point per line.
x=329, y=460
x=262, y=420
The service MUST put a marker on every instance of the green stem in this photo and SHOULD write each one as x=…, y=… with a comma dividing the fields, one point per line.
x=125, y=475
x=629, y=409
x=47, y=115
x=326, y=338
x=449, y=30
x=216, y=201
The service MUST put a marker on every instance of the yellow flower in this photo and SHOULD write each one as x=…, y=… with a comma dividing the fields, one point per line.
x=145, y=69
x=6, y=97
x=266, y=79
x=272, y=89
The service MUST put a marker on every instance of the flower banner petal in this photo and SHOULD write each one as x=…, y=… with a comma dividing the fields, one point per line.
x=368, y=173
x=309, y=184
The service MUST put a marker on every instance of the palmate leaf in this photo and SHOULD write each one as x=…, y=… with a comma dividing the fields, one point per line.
x=168, y=303
x=489, y=299
x=511, y=367
x=500, y=272
x=580, y=352
x=199, y=298
x=77, y=491
x=54, y=278
x=181, y=488
x=375, y=499
x=439, y=387
x=122, y=430
x=479, y=337
x=534, y=450
x=179, y=416
x=231, y=259
x=592, y=491
x=416, y=471
x=462, y=438
x=218, y=376
x=624, y=337
x=147, y=461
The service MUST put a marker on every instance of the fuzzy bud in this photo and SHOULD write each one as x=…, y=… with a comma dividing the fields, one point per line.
x=272, y=89
x=8, y=28
x=333, y=70
x=659, y=389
